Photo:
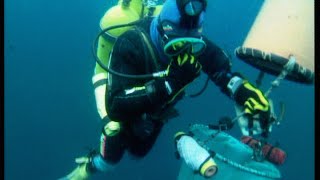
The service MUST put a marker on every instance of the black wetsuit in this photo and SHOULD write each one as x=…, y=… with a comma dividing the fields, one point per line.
x=131, y=55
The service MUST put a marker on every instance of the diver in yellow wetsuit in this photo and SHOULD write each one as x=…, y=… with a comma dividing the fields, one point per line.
x=124, y=12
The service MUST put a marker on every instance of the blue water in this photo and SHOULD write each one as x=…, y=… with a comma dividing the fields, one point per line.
x=50, y=113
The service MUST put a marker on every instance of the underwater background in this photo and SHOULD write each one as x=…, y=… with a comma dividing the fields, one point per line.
x=50, y=112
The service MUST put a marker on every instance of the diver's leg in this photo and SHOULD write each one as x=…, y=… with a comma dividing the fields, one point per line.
x=112, y=142
x=112, y=148
x=140, y=146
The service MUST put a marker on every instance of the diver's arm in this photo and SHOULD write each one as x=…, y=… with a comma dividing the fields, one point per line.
x=99, y=78
x=217, y=65
x=135, y=100
x=99, y=82
x=233, y=85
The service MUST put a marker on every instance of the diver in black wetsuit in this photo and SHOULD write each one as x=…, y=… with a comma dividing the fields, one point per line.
x=172, y=43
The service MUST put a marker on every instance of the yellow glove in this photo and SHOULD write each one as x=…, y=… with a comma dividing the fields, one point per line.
x=252, y=99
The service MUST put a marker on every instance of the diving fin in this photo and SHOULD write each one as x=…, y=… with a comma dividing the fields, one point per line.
x=81, y=172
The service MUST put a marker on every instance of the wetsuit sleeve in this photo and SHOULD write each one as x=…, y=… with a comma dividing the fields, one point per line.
x=217, y=65
x=131, y=97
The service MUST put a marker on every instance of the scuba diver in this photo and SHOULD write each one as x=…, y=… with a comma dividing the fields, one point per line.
x=126, y=11
x=136, y=109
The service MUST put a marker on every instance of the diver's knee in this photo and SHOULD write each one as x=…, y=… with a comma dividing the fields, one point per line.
x=112, y=128
x=111, y=145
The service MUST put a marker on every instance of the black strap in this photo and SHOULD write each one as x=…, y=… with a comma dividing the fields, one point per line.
x=250, y=125
x=248, y=143
x=269, y=152
x=99, y=83
x=151, y=11
x=220, y=127
x=212, y=153
x=225, y=123
x=146, y=38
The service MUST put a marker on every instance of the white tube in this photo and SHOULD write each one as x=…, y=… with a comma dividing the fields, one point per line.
x=196, y=156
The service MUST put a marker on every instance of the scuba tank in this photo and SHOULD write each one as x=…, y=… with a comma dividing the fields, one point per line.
x=116, y=19
x=124, y=12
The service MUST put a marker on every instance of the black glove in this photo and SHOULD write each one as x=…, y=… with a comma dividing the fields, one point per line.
x=182, y=70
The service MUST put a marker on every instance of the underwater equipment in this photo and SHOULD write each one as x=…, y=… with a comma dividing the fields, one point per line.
x=180, y=26
x=104, y=42
x=274, y=64
x=191, y=7
x=225, y=123
x=159, y=74
x=175, y=37
x=271, y=153
x=283, y=29
x=143, y=76
x=195, y=156
x=103, y=66
x=104, y=33
x=256, y=128
x=194, y=46
x=124, y=12
x=251, y=125
x=233, y=157
x=116, y=21
x=190, y=11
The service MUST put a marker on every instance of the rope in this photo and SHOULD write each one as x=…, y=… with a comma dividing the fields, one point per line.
x=286, y=69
